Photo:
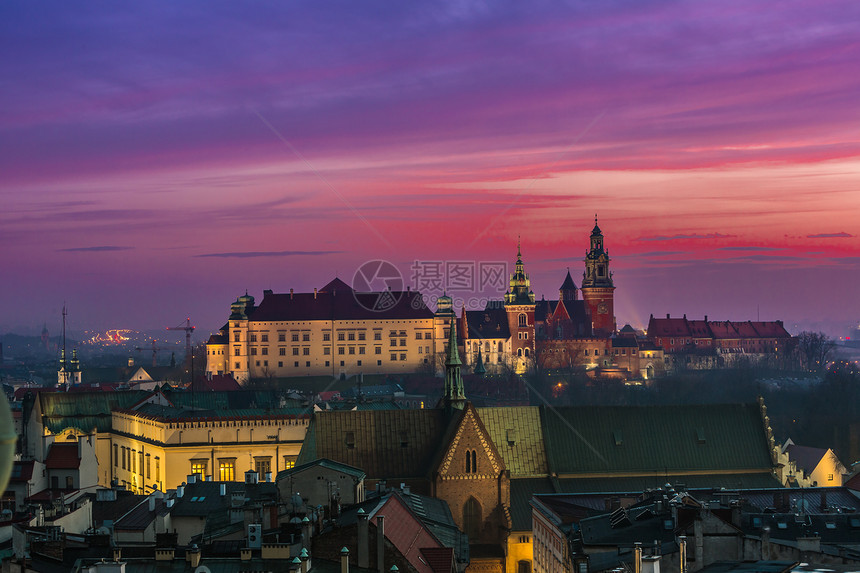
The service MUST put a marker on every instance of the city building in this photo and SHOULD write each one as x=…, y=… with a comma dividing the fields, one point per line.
x=334, y=331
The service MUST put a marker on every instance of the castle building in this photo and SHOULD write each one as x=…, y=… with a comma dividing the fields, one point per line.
x=597, y=286
x=334, y=331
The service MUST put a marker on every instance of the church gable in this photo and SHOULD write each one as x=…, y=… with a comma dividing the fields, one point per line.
x=471, y=452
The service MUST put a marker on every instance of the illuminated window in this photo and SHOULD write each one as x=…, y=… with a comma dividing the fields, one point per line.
x=140, y=463
x=115, y=456
x=157, y=468
x=289, y=462
x=227, y=469
x=198, y=467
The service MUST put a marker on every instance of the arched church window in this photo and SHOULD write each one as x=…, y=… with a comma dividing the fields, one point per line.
x=526, y=352
x=519, y=352
x=472, y=519
x=487, y=347
x=471, y=462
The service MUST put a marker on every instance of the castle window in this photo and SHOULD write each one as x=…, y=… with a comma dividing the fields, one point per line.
x=361, y=349
x=253, y=352
x=377, y=350
x=526, y=352
x=295, y=351
x=282, y=337
x=377, y=335
x=523, y=320
x=265, y=351
x=282, y=351
x=306, y=351
x=295, y=337
x=402, y=342
x=235, y=337
x=253, y=338
x=326, y=336
x=236, y=352
x=306, y=337
x=326, y=350
x=227, y=469
x=351, y=336
x=426, y=336
x=361, y=336
x=264, y=338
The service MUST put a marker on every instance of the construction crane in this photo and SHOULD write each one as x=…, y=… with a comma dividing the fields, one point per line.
x=155, y=350
x=188, y=330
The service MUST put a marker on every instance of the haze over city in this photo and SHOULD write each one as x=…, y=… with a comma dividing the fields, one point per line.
x=159, y=159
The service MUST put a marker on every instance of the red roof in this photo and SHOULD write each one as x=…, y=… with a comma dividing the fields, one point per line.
x=853, y=483
x=440, y=559
x=673, y=327
x=63, y=457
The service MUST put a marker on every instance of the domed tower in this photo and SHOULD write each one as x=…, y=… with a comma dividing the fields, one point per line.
x=597, y=286
x=520, y=308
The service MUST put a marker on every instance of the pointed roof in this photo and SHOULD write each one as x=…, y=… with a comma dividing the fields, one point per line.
x=568, y=283
x=453, y=358
x=596, y=230
x=336, y=285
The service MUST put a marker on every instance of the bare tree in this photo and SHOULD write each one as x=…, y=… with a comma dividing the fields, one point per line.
x=814, y=348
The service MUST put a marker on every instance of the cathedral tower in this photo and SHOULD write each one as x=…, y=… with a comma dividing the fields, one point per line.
x=520, y=308
x=597, y=286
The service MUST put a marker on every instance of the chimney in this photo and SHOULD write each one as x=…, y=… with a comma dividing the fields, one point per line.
x=191, y=478
x=304, y=557
x=380, y=544
x=306, y=530
x=151, y=501
x=208, y=478
x=667, y=315
x=180, y=490
x=637, y=557
x=706, y=318
x=170, y=502
x=223, y=489
x=651, y=564
x=194, y=556
x=682, y=559
x=363, y=540
x=268, y=477
x=344, y=558
x=291, y=294
x=315, y=293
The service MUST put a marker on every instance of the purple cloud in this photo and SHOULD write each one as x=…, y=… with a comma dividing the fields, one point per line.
x=257, y=254
x=693, y=236
x=98, y=249
x=842, y=235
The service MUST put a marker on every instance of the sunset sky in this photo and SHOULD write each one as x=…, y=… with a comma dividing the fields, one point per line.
x=160, y=158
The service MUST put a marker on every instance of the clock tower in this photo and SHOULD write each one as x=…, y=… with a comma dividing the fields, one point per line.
x=597, y=286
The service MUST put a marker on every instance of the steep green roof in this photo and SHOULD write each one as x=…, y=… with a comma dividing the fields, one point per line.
x=84, y=410
x=653, y=439
x=640, y=483
x=517, y=434
x=383, y=443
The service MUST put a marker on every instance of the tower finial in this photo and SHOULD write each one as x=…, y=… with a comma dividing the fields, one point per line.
x=595, y=218
x=519, y=250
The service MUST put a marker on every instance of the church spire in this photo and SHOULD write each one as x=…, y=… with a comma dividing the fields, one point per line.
x=455, y=396
x=519, y=291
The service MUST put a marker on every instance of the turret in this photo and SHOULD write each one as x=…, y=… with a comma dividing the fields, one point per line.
x=519, y=291
x=597, y=285
x=455, y=396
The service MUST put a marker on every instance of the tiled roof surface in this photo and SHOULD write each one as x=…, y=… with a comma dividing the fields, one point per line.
x=341, y=304
x=638, y=484
x=326, y=463
x=517, y=434
x=63, y=457
x=384, y=443
x=84, y=410
x=653, y=439
x=488, y=323
x=21, y=471
x=522, y=491
x=806, y=458
x=668, y=327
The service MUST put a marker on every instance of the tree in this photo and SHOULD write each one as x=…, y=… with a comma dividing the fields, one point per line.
x=814, y=348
